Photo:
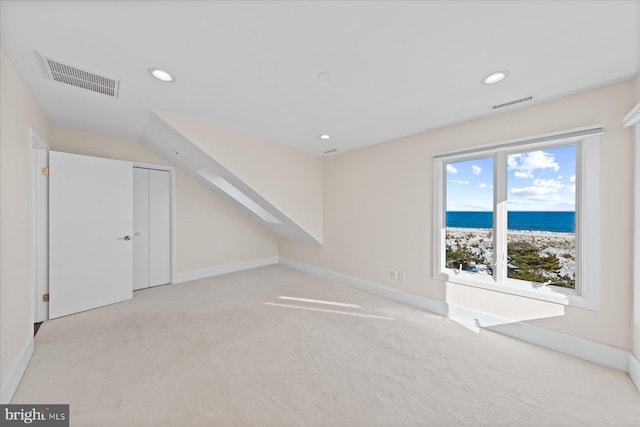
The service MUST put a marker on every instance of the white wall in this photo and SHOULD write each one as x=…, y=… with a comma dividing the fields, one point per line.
x=210, y=231
x=18, y=111
x=378, y=212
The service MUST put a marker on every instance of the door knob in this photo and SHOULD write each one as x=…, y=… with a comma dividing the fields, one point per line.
x=125, y=238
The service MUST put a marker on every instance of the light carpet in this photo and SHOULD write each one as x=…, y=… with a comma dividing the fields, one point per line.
x=212, y=352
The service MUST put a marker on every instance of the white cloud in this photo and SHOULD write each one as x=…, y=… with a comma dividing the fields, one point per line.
x=536, y=193
x=548, y=183
x=520, y=202
x=571, y=188
x=482, y=185
x=458, y=181
x=567, y=204
x=455, y=206
x=476, y=169
x=524, y=164
x=542, y=190
x=572, y=178
x=451, y=169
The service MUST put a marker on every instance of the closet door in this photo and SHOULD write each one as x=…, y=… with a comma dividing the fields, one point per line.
x=140, y=228
x=159, y=227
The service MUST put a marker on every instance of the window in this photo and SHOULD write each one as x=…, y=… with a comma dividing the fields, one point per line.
x=513, y=217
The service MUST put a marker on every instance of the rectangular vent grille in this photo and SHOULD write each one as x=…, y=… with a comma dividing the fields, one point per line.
x=74, y=76
x=333, y=150
x=514, y=102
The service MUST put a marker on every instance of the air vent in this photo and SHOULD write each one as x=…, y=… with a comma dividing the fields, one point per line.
x=61, y=72
x=514, y=102
x=333, y=150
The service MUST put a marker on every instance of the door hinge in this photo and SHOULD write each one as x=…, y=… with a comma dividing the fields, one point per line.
x=45, y=297
x=45, y=171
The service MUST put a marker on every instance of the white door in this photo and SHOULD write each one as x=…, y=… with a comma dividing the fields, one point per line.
x=151, y=227
x=90, y=225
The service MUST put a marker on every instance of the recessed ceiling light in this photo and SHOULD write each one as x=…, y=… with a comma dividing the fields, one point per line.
x=325, y=76
x=161, y=75
x=325, y=136
x=496, y=77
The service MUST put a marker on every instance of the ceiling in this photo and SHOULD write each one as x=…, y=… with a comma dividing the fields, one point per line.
x=399, y=67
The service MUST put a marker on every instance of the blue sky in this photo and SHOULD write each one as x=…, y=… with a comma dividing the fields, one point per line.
x=541, y=180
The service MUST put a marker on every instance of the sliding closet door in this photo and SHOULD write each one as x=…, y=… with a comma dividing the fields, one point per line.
x=140, y=228
x=151, y=227
x=159, y=227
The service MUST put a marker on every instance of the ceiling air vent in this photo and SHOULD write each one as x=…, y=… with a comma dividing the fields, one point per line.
x=333, y=150
x=514, y=102
x=61, y=72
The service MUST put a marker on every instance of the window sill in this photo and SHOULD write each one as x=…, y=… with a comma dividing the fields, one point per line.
x=520, y=288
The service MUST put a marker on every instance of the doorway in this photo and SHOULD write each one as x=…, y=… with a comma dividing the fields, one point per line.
x=39, y=228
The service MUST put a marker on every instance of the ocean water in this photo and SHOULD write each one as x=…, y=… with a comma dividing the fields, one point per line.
x=557, y=222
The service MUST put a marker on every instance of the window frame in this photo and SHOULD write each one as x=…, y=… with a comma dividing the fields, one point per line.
x=587, y=291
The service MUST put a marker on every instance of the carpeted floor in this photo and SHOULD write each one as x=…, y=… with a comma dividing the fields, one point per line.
x=213, y=352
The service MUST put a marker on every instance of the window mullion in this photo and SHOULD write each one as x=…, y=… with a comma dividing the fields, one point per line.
x=500, y=217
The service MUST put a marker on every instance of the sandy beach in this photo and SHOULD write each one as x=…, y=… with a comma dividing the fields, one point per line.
x=479, y=243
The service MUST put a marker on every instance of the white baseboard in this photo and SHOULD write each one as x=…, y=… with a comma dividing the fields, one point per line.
x=592, y=351
x=634, y=370
x=201, y=273
x=10, y=384
x=602, y=354
x=419, y=301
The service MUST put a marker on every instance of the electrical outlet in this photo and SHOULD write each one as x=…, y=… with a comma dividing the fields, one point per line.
x=393, y=274
x=402, y=276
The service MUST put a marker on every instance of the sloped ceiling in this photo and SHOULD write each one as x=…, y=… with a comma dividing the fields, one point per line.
x=169, y=137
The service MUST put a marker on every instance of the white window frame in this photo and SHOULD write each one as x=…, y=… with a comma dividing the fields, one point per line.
x=587, y=291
